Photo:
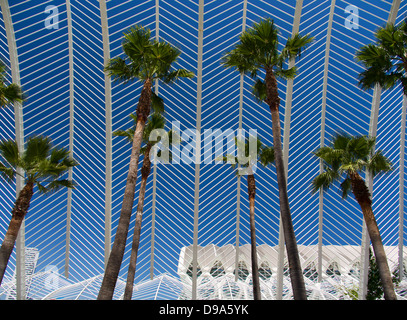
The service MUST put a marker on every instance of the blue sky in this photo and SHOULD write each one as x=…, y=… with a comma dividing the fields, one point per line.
x=43, y=57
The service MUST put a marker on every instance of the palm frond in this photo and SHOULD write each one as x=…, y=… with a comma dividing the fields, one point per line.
x=137, y=44
x=58, y=155
x=378, y=163
x=295, y=45
x=346, y=187
x=121, y=71
x=11, y=94
x=128, y=134
x=267, y=156
x=56, y=185
x=155, y=122
x=157, y=103
x=324, y=180
x=259, y=90
x=37, y=149
x=9, y=151
x=175, y=75
x=286, y=73
x=7, y=173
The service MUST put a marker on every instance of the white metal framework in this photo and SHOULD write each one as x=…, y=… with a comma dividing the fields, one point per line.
x=57, y=51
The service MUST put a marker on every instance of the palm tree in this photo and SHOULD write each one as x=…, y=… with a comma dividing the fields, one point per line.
x=155, y=121
x=265, y=155
x=386, y=59
x=345, y=158
x=43, y=166
x=258, y=50
x=145, y=59
x=9, y=93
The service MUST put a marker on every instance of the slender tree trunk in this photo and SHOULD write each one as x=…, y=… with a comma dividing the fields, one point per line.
x=296, y=275
x=145, y=172
x=116, y=255
x=251, y=186
x=17, y=216
x=362, y=196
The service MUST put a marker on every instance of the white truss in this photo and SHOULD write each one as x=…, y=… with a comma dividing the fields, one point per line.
x=70, y=99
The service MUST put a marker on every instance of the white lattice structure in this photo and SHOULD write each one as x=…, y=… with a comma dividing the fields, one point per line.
x=218, y=277
x=57, y=50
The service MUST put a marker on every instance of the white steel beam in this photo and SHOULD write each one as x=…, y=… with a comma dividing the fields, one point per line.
x=197, y=149
x=238, y=177
x=322, y=140
x=71, y=134
x=153, y=205
x=286, y=147
x=19, y=128
x=108, y=115
x=401, y=187
x=374, y=117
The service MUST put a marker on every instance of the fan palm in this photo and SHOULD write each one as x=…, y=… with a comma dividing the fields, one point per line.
x=8, y=93
x=386, y=59
x=43, y=166
x=258, y=50
x=155, y=121
x=146, y=60
x=264, y=155
x=344, y=159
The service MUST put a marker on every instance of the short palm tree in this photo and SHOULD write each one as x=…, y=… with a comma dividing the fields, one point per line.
x=264, y=155
x=344, y=159
x=258, y=50
x=9, y=93
x=44, y=167
x=386, y=59
x=146, y=60
x=155, y=121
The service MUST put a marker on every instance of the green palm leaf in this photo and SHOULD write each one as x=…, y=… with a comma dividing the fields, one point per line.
x=346, y=155
x=9, y=151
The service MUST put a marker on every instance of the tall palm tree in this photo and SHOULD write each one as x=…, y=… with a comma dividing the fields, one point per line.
x=145, y=59
x=44, y=167
x=9, y=93
x=344, y=159
x=264, y=155
x=386, y=59
x=258, y=50
x=155, y=121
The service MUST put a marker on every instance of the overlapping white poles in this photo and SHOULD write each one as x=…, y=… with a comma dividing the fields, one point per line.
x=19, y=127
x=71, y=134
x=197, y=160
x=374, y=118
x=108, y=115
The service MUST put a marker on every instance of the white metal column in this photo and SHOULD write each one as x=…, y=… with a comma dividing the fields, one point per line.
x=286, y=148
x=19, y=128
x=108, y=115
x=71, y=133
x=401, y=187
x=239, y=177
x=197, y=149
x=157, y=37
x=322, y=141
x=364, y=257
x=374, y=117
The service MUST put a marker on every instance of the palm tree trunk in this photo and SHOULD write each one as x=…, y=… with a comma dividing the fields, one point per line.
x=296, y=275
x=145, y=172
x=17, y=216
x=362, y=195
x=251, y=186
x=119, y=244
